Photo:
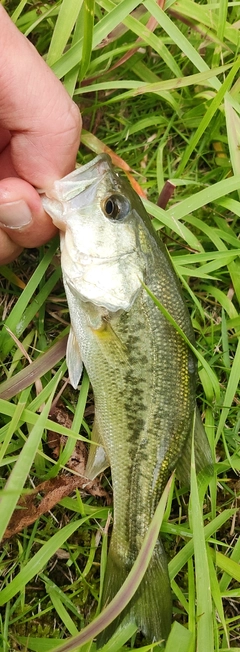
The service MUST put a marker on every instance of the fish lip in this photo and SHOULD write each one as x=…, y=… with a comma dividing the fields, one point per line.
x=62, y=192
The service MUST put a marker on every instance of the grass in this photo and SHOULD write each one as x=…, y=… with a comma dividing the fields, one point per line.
x=167, y=105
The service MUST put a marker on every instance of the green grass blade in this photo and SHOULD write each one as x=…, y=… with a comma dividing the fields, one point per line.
x=38, y=561
x=230, y=566
x=68, y=13
x=62, y=611
x=215, y=589
x=235, y=556
x=22, y=467
x=31, y=418
x=14, y=321
x=214, y=106
x=15, y=15
x=233, y=132
x=182, y=557
x=205, y=637
x=204, y=197
x=77, y=421
x=71, y=79
x=37, y=644
x=163, y=217
x=88, y=24
x=179, y=38
x=233, y=383
x=179, y=640
x=155, y=87
x=121, y=636
x=101, y=30
x=206, y=15
x=13, y=425
x=153, y=42
x=222, y=19
x=39, y=18
x=191, y=603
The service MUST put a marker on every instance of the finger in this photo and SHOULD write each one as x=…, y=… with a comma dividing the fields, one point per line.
x=6, y=164
x=22, y=217
x=34, y=106
x=5, y=137
x=9, y=250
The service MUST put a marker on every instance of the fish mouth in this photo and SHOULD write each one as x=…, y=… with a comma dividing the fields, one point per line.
x=88, y=259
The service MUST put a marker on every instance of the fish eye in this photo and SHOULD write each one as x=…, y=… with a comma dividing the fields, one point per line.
x=116, y=207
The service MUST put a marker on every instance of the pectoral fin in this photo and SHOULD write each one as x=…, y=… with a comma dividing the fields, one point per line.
x=97, y=457
x=110, y=343
x=74, y=360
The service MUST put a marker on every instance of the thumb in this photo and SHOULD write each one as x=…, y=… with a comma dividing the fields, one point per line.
x=23, y=222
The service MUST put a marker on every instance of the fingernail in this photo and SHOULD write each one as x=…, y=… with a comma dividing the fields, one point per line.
x=15, y=214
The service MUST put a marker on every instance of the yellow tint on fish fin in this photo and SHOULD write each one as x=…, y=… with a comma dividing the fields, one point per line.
x=97, y=457
x=74, y=360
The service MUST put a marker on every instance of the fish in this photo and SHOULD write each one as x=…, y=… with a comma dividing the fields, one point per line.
x=143, y=373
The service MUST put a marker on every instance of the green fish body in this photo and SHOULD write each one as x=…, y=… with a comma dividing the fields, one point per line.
x=142, y=372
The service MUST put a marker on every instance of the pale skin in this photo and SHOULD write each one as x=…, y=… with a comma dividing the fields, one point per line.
x=40, y=130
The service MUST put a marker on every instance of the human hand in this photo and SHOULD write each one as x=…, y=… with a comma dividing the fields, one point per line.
x=39, y=137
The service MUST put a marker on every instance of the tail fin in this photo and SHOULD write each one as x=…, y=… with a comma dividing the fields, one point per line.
x=203, y=456
x=151, y=605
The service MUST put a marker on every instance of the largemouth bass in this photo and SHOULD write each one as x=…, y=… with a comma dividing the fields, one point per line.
x=142, y=372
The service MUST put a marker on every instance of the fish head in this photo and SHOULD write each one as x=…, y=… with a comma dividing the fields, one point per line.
x=102, y=257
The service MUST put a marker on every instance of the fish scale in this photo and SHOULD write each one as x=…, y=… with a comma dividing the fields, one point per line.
x=142, y=372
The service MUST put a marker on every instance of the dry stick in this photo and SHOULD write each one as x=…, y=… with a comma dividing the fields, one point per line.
x=165, y=194
x=29, y=509
x=31, y=373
